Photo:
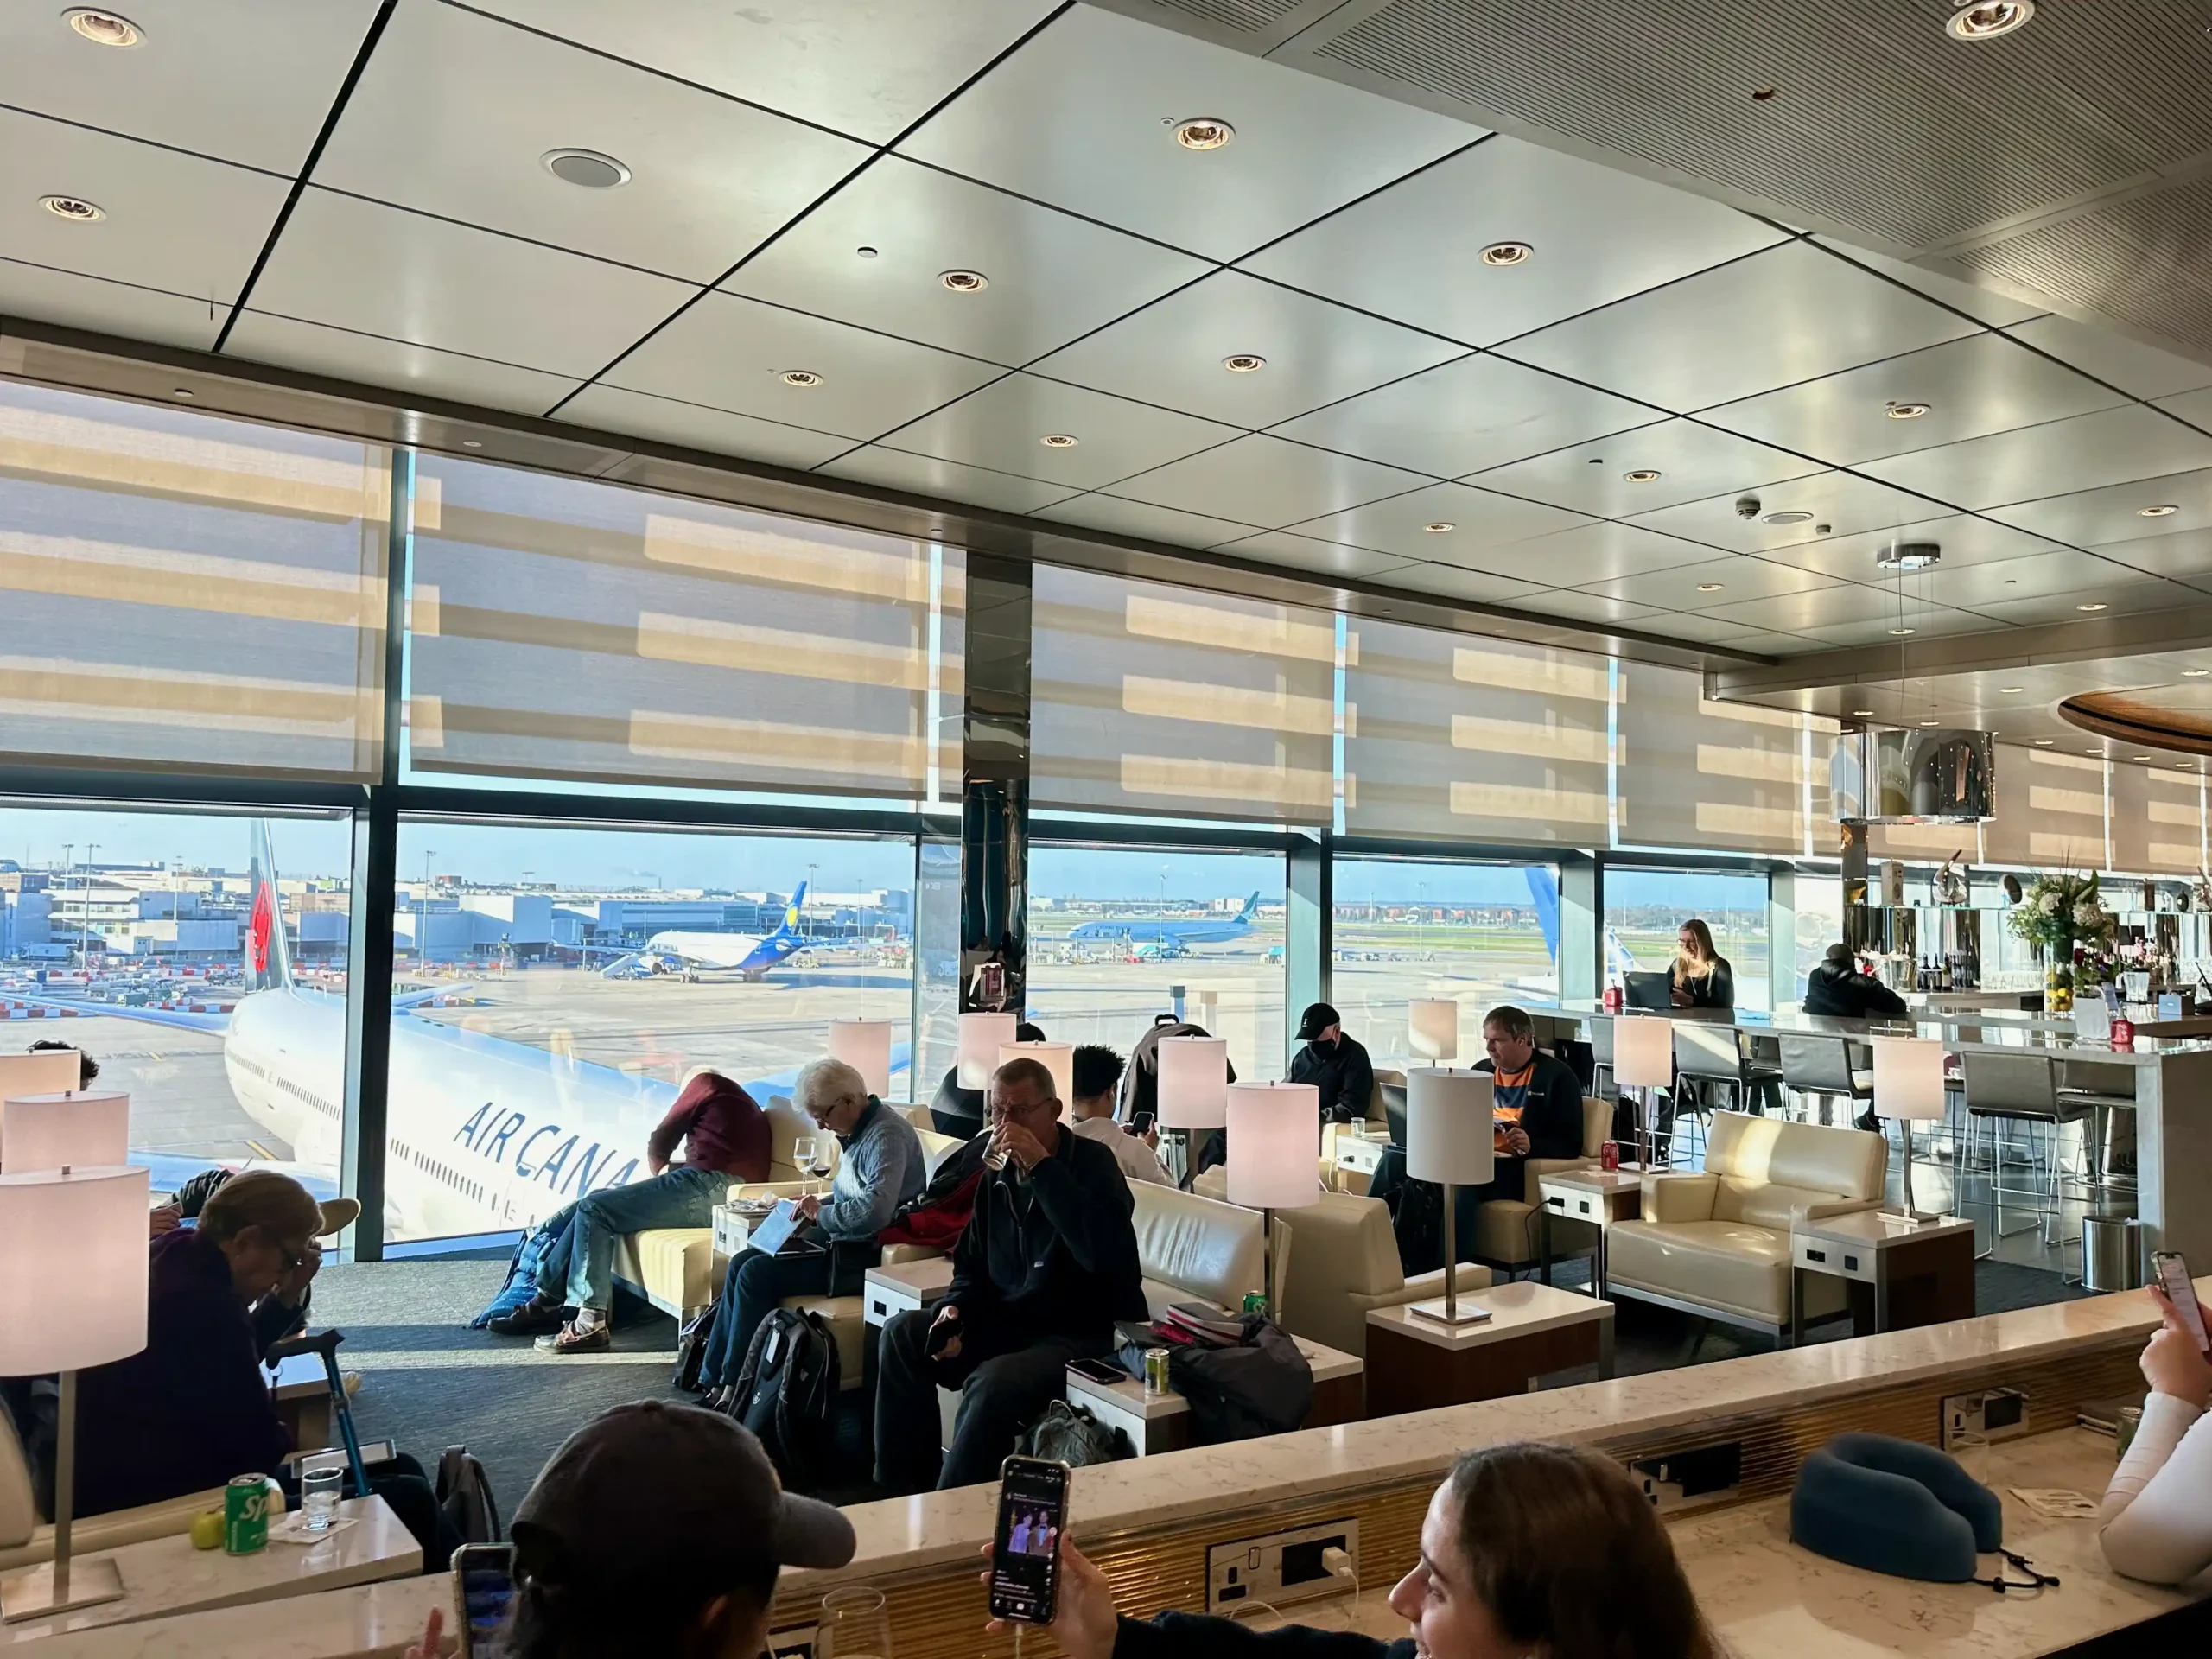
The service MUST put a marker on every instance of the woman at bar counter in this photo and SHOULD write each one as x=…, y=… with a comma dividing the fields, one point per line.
x=1702, y=977
x=1527, y=1549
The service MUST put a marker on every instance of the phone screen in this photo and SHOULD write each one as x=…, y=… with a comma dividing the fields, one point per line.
x=1098, y=1370
x=1026, y=1555
x=2173, y=1279
x=483, y=1584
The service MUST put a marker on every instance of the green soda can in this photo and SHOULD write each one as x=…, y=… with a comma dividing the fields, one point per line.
x=245, y=1515
x=1255, y=1301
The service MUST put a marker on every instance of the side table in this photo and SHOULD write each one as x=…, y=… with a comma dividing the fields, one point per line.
x=1901, y=1275
x=1597, y=1197
x=1162, y=1422
x=1417, y=1364
x=906, y=1287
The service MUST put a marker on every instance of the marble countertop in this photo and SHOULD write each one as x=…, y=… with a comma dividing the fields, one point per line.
x=376, y=1619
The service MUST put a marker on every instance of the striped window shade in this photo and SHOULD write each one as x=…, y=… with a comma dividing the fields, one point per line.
x=1172, y=702
x=187, y=592
x=1697, y=773
x=1479, y=740
x=2049, y=810
x=562, y=628
x=1924, y=843
x=2158, y=820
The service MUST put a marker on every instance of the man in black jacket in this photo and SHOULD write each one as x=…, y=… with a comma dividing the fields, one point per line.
x=1046, y=1265
x=1334, y=1063
x=1837, y=988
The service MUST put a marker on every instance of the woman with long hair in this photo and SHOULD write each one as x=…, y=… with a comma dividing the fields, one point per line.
x=1701, y=977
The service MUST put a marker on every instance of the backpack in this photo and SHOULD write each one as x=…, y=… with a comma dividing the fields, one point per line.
x=1071, y=1435
x=464, y=1497
x=787, y=1393
x=1262, y=1386
x=691, y=1347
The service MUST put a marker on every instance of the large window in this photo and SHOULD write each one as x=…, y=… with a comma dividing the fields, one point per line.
x=1117, y=936
x=1819, y=901
x=553, y=987
x=1644, y=909
x=1479, y=933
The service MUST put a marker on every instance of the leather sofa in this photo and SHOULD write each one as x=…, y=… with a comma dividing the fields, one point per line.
x=1339, y=1261
x=26, y=1540
x=1508, y=1231
x=1717, y=1243
x=1196, y=1248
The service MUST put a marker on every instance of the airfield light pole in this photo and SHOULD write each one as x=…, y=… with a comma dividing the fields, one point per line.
x=1421, y=924
x=423, y=917
x=84, y=908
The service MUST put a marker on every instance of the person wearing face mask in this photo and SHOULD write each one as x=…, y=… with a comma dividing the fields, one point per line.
x=1527, y=1549
x=1334, y=1063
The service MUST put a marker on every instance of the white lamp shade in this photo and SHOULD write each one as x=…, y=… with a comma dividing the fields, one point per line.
x=47, y=1073
x=73, y=1268
x=1059, y=1058
x=1450, y=1135
x=1193, y=1082
x=864, y=1045
x=1433, y=1028
x=982, y=1036
x=1643, y=1053
x=52, y=1131
x=1274, y=1145
x=1908, y=1078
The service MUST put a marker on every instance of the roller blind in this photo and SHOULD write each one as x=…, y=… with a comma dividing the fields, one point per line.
x=1697, y=773
x=1168, y=702
x=2158, y=822
x=183, y=591
x=563, y=628
x=2049, y=810
x=1481, y=740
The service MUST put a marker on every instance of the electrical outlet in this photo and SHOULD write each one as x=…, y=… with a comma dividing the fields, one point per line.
x=1279, y=1567
x=795, y=1643
x=1993, y=1413
x=1690, y=1480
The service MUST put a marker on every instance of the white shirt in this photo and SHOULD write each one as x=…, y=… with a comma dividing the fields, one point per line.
x=2157, y=1513
x=1139, y=1162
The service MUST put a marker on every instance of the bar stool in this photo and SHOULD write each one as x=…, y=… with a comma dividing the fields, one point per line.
x=2094, y=1084
x=1822, y=1066
x=2021, y=1088
x=1601, y=1054
x=1714, y=1054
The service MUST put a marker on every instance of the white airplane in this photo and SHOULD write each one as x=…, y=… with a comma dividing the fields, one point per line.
x=749, y=956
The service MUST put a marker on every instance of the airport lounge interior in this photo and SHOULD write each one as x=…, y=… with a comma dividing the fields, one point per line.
x=1220, y=816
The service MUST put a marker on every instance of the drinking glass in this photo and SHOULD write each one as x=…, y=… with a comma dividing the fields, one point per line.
x=1972, y=1451
x=855, y=1624
x=803, y=1153
x=319, y=1489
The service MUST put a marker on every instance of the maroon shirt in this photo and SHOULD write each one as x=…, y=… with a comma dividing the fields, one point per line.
x=727, y=1130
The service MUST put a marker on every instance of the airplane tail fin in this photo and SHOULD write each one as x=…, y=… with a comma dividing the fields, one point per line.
x=1251, y=911
x=267, y=958
x=789, y=926
x=1544, y=889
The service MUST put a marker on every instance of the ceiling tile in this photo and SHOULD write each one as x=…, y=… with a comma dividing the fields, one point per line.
x=173, y=222
x=1003, y=425
x=947, y=480
x=1783, y=315
x=2119, y=599
x=1933, y=624
x=1171, y=352
x=2060, y=570
x=1461, y=416
x=2194, y=407
x=344, y=355
x=1966, y=540
x=1844, y=503
x=1586, y=606
x=2184, y=557
x=1730, y=580
x=731, y=353
x=1140, y=518
x=1692, y=460
x=1982, y=304
x=2115, y=513
x=241, y=80
x=456, y=110
x=1052, y=276
x=1415, y=251
x=663, y=420
x=44, y=295
x=1599, y=552
x=2110, y=446
x=868, y=67
x=1471, y=587
x=1266, y=481
x=1981, y=385
x=1701, y=630
x=1844, y=604
x=1303, y=553
x=2139, y=371
x=356, y=264
x=1484, y=526
x=1109, y=91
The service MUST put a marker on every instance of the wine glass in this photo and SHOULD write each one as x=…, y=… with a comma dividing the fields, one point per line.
x=820, y=1164
x=855, y=1624
x=802, y=1152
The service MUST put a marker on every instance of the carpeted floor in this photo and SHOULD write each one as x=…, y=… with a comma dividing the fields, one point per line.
x=429, y=1383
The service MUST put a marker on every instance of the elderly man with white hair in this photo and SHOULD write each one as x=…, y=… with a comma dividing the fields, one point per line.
x=881, y=1168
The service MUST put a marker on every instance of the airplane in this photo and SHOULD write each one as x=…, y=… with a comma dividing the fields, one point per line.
x=749, y=956
x=483, y=1135
x=1543, y=890
x=1172, y=932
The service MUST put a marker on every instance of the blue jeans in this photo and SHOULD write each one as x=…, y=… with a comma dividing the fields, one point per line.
x=678, y=1196
x=755, y=1287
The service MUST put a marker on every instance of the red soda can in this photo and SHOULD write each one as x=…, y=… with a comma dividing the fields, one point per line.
x=1609, y=1154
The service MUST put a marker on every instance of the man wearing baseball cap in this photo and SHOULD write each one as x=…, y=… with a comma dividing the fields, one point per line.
x=1334, y=1063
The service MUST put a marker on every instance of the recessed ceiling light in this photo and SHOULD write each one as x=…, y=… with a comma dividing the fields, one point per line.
x=587, y=167
x=1787, y=517
x=2093, y=751
x=1203, y=132
x=1862, y=713
x=865, y=253
x=1708, y=587
x=2009, y=690
x=183, y=394
x=1243, y=363
x=1901, y=632
x=1988, y=19
x=2164, y=509
x=802, y=378
x=2089, y=607
x=1906, y=411
x=2195, y=673
x=2147, y=757
x=964, y=282
x=2044, y=742
x=75, y=209
x=1931, y=722
x=1642, y=475
x=1507, y=253
x=472, y=443
x=1060, y=441
x=1441, y=527
x=104, y=27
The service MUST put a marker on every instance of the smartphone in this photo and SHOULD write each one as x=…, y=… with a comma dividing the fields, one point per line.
x=1026, y=1553
x=941, y=1332
x=1098, y=1370
x=483, y=1586
x=2173, y=1279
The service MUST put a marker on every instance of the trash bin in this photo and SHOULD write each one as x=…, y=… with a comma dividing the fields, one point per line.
x=2112, y=1253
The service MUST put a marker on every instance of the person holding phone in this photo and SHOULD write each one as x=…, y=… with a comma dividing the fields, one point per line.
x=2157, y=1524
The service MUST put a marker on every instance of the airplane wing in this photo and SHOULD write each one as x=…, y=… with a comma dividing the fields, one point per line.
x=177, y=1019
x=403, y=1000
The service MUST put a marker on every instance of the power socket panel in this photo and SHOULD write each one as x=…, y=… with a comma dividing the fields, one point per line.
x=1993, y=1413
x=1279, y=1567
x=1695, y=1479
x=796, y=1643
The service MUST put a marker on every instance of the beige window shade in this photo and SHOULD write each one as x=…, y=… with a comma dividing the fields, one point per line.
x=1927, y=843
x=2157, y=821
x=566, y=629
x=1155, y=700
x=1472, y=738
x=2049, y=810
x=181, y=591
x=1695, y=773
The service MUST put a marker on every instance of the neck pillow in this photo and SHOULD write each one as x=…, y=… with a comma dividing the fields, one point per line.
x=1894, y=1506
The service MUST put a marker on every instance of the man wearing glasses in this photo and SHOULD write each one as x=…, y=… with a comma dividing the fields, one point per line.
x=1046, y=1265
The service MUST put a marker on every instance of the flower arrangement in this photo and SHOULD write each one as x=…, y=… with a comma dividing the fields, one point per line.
x=2057, y=914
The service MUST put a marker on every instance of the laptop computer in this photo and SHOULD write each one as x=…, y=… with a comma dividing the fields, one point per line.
x=1650, y=991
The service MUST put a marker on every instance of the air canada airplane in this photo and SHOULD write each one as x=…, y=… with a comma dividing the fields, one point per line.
x=484, y=1134
x=749, y=956
x=1178, y=932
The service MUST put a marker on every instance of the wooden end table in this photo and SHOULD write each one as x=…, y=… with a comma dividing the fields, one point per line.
x=1901, y=1276
x=1416, y=1363
x=1597, y=1197
x=1162, y=1422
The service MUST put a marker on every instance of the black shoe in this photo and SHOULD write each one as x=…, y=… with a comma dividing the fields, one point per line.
x=1869, y=1122
x=534, y=1317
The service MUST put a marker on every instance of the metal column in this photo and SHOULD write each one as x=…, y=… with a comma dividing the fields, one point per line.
x=1309, y=944
x=995, y=800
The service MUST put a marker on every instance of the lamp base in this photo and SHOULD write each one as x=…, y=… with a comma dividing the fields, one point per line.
x=1909, y=1218
x=1469, y=1312
x=30, y=1593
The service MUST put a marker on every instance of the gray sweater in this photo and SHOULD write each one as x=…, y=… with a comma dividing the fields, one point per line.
x=882, y=1168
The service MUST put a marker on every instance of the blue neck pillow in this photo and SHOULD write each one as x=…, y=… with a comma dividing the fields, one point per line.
x=1894, y=1506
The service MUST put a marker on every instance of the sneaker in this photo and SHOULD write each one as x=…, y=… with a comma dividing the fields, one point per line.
x=572, y=1338
x=529, y=1319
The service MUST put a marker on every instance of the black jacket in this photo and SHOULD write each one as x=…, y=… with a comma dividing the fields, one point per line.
x=1195, y=1636
x=1716, y=990
x=1847, y=994
x=1553, y=1117
x=1341, y=1072
x=1053, y=1253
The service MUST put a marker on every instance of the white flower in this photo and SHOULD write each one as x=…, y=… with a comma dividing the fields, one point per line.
x=2048, y=904
x=2088, y=913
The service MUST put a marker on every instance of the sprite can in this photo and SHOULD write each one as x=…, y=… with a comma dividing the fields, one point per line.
x=1255, y=1301
x=245, y=1515
x=1156, y=1370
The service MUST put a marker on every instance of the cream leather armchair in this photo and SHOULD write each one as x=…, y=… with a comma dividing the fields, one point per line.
x=1339, y=1263
x=1508, y=1232
x=1193, y=1248
x=26, y=1539
x=1718, y=1244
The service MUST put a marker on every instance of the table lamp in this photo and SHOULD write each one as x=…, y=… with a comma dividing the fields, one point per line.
x=1059, y=1058
x=864, y=1045
x=982, y=1036
x=72, y=1294
x=89, y=1130
x=50, y=1072
x=1643, y=1059
x=1909, y=1086
x=1193, y=1092
x=1433, y=1028
x=1274, y=1141
x=1451, y=1139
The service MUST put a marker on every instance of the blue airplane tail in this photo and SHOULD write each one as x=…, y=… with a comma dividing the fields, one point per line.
x=1543, y=889
x=1251, y=911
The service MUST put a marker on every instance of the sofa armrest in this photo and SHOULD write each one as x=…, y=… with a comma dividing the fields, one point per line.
x=1679, y=1198
x=1536, y=1168
x=1839, y=1207
x=766, y=1190
x=894, y=1254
